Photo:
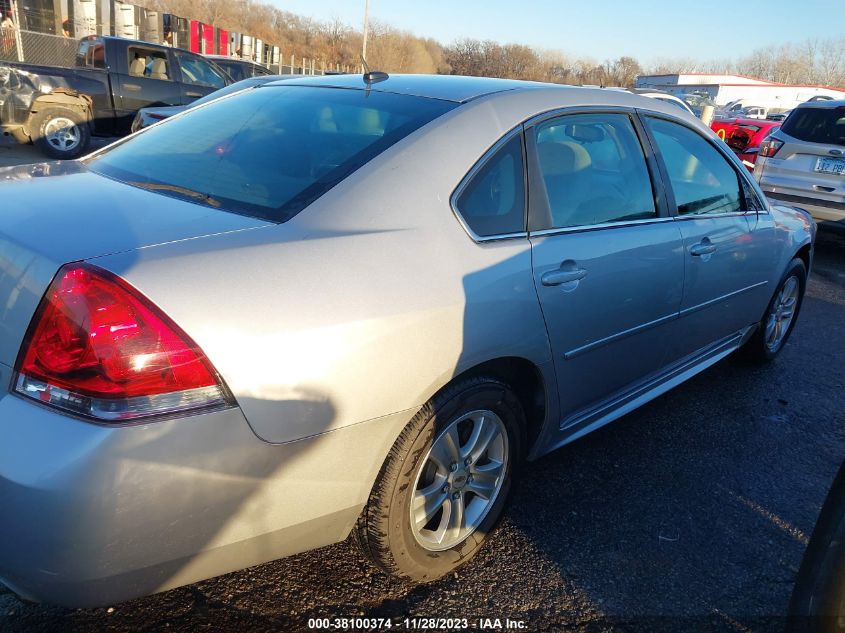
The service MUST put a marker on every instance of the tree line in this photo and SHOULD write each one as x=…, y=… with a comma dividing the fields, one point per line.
x=393, y=50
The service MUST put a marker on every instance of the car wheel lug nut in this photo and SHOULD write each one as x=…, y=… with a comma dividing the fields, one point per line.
x=453, y=467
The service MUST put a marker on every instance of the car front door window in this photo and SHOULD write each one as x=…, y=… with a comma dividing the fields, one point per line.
x=726, y=249
x=703, y=181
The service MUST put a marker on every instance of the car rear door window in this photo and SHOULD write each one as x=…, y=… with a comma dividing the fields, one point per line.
x=149, y=63
x=493, y=202
x=817, y=125
x=702, y=179
x=593, y=172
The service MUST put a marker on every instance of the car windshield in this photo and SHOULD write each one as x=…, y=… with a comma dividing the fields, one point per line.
x=267, y=152
x=817, y=125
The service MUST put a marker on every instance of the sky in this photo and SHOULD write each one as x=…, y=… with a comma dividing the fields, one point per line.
x=600, y=29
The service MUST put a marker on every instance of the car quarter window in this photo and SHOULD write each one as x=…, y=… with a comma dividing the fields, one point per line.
x=593, y=171
x=197, y=71
x=493, y=202
x=145, y=62
x=702, y=179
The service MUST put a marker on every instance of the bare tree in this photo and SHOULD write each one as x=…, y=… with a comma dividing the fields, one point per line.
x=812, y=61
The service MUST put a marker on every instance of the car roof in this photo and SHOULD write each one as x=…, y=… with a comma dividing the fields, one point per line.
x=650, y=91
x=829, y=104
x=130, y=42
x=445, y=87
x=227, y=58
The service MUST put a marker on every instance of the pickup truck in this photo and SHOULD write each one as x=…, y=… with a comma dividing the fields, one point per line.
x=59, y=109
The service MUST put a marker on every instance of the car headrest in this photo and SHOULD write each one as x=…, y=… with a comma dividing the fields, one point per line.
x=563, y=159
x=586, y=133
x=159, y=69
x=137, y=66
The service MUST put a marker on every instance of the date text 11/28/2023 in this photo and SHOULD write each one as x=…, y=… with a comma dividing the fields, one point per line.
x=416, y=624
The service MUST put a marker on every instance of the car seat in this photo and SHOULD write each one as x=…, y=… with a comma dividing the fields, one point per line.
x=567, y=174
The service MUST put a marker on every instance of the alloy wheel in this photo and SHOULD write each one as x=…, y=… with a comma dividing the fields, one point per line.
x=781, y=313
x=63, y=134
x=459, y=479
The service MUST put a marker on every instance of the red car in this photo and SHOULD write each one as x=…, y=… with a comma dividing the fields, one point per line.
x=744, y=136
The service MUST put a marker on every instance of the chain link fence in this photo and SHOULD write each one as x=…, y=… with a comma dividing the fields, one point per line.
x=37, y=48
x=57, y=50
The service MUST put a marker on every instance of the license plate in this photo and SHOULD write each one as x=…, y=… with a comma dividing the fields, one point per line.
x=835, y=166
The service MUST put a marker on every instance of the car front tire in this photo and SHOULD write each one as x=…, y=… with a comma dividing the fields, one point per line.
x=445, y=482
x=60, y=132
x=780, y=317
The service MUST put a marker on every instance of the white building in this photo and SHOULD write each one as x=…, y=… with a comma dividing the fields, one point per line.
x=723, y=89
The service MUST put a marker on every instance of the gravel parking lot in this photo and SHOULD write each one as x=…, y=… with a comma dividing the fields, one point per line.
x=689, y=514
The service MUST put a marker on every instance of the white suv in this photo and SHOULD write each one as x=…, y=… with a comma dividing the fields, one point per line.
x=803, y=162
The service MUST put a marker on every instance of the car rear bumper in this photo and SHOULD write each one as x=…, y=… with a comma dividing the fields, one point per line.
x=94, y=515
x=823, y=211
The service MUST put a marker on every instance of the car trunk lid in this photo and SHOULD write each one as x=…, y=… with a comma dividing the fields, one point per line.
x=54, y=213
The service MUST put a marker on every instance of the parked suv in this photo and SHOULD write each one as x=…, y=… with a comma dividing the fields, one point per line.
x=803, y=162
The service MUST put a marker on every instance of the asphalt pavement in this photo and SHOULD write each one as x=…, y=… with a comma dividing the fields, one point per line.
x=690, y=514
x=12, y=153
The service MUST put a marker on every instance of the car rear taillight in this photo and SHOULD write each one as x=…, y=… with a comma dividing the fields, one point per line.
x=770, y=146
x=98, y=348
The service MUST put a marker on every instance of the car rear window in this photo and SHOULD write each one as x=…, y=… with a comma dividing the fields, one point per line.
x=817, y=125
x=268, y=152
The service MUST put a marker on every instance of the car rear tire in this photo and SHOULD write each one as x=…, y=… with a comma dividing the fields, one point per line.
x=445, y=482
x=60, y=132
x=781, y=314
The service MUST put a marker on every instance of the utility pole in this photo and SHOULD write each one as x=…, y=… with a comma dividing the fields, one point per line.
x=366, y=28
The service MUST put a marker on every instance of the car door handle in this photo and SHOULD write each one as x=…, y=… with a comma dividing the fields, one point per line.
x=132, y=87
x=561, y=276
x=193, y=94
x=704, y=247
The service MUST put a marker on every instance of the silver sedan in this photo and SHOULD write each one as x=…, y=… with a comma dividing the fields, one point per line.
x=354, y=305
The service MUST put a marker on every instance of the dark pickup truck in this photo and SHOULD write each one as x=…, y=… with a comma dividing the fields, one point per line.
x=59, y=109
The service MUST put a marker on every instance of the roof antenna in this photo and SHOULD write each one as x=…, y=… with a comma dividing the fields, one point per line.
x=372, y=76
